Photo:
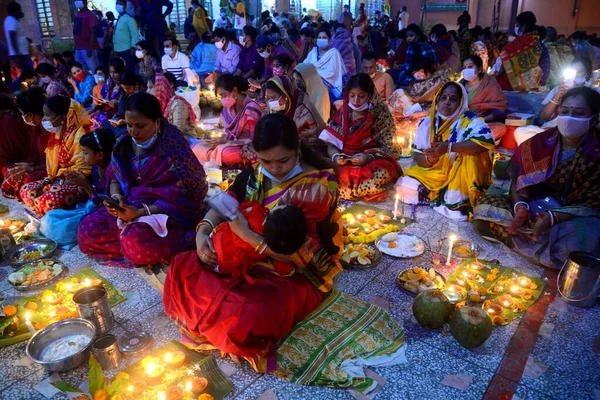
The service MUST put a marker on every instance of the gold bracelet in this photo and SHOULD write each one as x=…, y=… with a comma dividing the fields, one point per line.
x=259, y=245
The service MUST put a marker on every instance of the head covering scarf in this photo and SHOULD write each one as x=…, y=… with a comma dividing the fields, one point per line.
x=63, y=150
x=442, y=132
x=296, y=97
x=316, y=89
x=166, y=96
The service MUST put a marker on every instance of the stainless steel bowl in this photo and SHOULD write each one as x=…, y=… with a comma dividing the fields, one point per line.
x=470, y=249
x=60, y=329
x=47, y=247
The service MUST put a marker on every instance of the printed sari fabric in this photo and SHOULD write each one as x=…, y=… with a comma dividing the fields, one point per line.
x=111, y=91
x=248, y=320
x=63, y=153
x=457, y=180
x=372, y=135
x=332, y=345
x=175, y=108
x=239, y=131
x=521, y=60
x=543, y=169
x=171, y=179
x=308, y=120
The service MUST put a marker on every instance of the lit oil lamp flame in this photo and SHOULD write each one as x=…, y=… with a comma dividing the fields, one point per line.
x=87, y=282
x=168, y=357
x=150, y=367
x=188, y=386
x=130, y=388
x=162, y=396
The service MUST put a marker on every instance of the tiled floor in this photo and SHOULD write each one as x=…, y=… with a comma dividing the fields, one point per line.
x=569, y=351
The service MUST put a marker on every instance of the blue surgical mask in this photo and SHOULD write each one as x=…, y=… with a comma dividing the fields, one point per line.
x=297, y=170
x=147, y=144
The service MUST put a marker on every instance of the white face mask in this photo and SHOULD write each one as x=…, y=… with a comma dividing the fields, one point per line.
x=119, y=8
x=361, y=108
x=322, y=43
x=242, y=39
x=469, y=74
x=45, y=79
x=79, y=4
x=580, y=81
x=571, y=127
x=168, y=51
x=274, y=105
x=265, y=54
x=99, y=79
x=220, y=44
x=518, y=31
x=47, y=125
x=139, y=53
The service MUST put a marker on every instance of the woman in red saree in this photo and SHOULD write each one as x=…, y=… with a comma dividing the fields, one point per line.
x=22, y=142
x=160, y=187
x=244, y=320
x=360, y=140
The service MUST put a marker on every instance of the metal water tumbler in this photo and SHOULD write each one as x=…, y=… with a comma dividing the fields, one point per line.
x=92, y=303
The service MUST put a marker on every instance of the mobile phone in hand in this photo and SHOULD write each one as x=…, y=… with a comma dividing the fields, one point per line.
x=112, y=202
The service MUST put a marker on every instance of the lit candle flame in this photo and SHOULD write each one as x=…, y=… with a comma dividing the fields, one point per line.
x=168, y=357
x=27, y=316
x=130, y=388
x=452, y=238
x=50, y=298
x=188, y=386
x=162, y=396
x=491, y=310
x=68, y=286
x=150, y=367
x=506, y=303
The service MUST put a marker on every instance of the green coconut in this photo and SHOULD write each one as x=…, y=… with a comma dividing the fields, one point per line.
x=216, y=105
x=432, y=309
x=203, y=102
x=470, y=326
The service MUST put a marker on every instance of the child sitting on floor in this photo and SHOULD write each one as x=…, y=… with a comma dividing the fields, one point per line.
x=284, y=231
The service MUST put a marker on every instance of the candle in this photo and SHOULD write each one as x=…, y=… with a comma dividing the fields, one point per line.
x=452, y=239
x=506, y=301
x=468, y=274
x=461, y=282
x=516, y=290
x=401, y=142
x=136, y=387
x=28, y=323
x=524, y=281
x=396, y=207
x=494, y=309
x=384, y=218
x=175, y=360
x=361, y=218
x=154, y=372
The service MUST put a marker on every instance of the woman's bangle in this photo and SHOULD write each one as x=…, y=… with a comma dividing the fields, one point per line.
x=147, y=209
x=207, y=223
x=427, y=160
x=259, y=246
x=554, y=101
x=552, y=220
x=449, y=147
x=520, y=203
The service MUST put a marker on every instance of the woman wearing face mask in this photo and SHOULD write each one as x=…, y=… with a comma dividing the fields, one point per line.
x=452, y=147
x=158, y=183
x=66, y=121
x=329, y=63
x=247, y=320
x=283, y=96
x=359, y=141
x=554, y=203
x=99, y=79
x=22, y=142
x=110, y=94
x=175, y=109
x=486, y=97
x=282, y=64
x=549, y=111
x=82, y=83
x=525, y=60
x=47, y=79
x=239, y=117
x=147, y=66
x=308, y=80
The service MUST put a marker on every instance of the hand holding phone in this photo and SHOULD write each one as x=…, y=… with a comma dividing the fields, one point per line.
x=110, y=202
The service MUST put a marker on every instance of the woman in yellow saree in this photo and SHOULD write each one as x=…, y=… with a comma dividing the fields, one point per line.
x=451, y=149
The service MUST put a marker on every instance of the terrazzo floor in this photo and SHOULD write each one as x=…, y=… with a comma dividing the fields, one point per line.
x=570, y=350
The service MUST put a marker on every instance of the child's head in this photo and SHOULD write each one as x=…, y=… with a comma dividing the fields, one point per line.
x=285, y=230
x=97, y=147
